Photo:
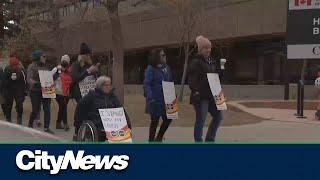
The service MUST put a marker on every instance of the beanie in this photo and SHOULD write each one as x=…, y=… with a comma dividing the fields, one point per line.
x=14, y=61
x=65, y=58
x=202, y=42
x=36, y=55
x=84, y=49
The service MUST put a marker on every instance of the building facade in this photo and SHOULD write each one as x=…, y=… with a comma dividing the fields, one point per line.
x=250, y=34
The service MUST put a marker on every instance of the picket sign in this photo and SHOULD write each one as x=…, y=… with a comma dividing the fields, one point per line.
x=216, y=90
x=170, y=100
x=47, y=84
x=87, y=84
x=115, y=125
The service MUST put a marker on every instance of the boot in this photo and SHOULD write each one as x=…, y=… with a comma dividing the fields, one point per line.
x=8, y=119
x=317, y=115
x=47, y=130
x=59, y=126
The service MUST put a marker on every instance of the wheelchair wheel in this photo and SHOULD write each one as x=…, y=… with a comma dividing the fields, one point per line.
x=88, y=132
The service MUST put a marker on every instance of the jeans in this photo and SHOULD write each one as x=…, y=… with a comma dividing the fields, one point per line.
x=36, y=101
x=19, y=99
x=202, y=108
x=163, y=128
x=63, y=109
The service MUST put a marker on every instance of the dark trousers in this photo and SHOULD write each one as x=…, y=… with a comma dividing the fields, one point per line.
x=76, y=127
x=202, y=108
x=36, y=101
x=63, y=109
x=18, y=97
x=154, y=125
x=3, y=107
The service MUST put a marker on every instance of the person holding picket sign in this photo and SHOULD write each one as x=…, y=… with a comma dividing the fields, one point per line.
x=36, y=95
x=102, y=97
x=156, y=72
x=82, y=69
x=63, y=84
x=201, y=96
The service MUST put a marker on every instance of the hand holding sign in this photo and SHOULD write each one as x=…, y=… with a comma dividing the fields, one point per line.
x=94, y=68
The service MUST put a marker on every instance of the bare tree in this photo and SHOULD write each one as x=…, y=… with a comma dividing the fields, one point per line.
x=188, y=15
x=1, y=24
x=118, y=46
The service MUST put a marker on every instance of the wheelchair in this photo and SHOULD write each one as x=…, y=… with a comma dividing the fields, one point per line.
x=91, y=131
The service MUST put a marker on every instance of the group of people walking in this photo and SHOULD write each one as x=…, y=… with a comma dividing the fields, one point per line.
x=201, y=97
x=17, y=82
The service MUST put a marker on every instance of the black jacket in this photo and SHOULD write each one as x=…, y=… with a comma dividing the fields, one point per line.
x=88, y=107
x=78, y=73
x=18, y=86
x=197, y=77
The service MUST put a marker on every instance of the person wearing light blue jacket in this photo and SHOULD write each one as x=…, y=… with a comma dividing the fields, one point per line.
x=156, y=72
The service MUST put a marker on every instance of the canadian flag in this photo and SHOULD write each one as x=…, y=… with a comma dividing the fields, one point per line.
x=303, y=2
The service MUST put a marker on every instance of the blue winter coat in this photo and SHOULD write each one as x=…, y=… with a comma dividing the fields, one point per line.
x=153, y=88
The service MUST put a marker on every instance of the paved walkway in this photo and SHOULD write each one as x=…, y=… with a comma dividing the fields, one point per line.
x=279, y=126
x=284, y=115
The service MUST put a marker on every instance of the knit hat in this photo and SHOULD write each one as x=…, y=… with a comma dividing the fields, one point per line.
x=202, y=42
x=14, y=61
x=84, y=49
x=36, y=55
x=65, y=58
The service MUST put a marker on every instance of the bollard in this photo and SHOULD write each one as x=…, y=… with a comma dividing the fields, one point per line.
x=300, y=99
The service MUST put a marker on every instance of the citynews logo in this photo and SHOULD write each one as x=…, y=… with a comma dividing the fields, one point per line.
x=40, y=160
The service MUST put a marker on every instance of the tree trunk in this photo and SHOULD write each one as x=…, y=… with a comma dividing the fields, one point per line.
x=56, y=32
x=1, y=25
x=185, y=68
x=117, y=49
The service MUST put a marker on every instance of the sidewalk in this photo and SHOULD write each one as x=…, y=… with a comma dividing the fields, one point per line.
x=10, y=133
x=276, y=125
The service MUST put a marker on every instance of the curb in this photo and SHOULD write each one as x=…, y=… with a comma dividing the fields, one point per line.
x=31, y=131
x=266, y=117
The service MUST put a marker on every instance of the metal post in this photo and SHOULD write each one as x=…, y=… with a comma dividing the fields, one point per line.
x=298, y=98
x=300, y=114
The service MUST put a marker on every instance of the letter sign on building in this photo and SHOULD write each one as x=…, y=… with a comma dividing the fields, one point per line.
x=303, y=29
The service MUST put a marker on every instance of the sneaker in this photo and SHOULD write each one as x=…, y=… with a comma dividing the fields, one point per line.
x=8, y=119
x=47, y=130
x=30, y=125
x=59, y=126
x=39, y=124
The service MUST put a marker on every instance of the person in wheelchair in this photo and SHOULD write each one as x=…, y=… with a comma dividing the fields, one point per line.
x=87, y=120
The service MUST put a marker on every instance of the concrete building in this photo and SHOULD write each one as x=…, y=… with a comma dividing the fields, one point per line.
x=249, y=33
